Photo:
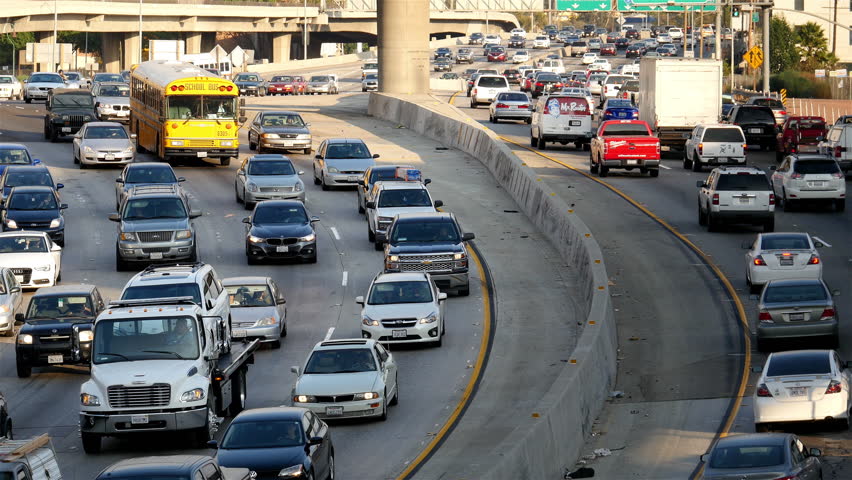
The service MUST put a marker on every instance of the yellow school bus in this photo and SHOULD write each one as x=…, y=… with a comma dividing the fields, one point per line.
x=180, y=110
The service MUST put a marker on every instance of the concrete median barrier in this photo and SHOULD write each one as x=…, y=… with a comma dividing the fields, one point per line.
x=562, y=420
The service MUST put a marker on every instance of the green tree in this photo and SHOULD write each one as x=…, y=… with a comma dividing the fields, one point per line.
x=13, y=43
x=783, y=55
x=812, y=45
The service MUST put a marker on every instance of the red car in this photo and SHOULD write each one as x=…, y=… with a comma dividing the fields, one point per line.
x=799, y=135
x=608, y=49
x=611, y=37
x=527, y=82
x=285, y=85
x=497, y=55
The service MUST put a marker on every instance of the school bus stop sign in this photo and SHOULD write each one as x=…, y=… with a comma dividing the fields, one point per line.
x=754, y=57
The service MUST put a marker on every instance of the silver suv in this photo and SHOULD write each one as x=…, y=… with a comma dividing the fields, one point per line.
x=154, y=224
x=736, y=195
x=389, y=199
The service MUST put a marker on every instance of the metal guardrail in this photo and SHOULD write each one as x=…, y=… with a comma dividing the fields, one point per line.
x=443, y=5
x=235, y=3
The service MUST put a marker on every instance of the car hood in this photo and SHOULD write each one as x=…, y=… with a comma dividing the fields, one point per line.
x=350, y=164
x=251, y=314
x=394, y=211
x=174, y=372
x=319, y=84
x=336, y=383
x=32, y=215
x=399, y=310
x=426, y=247
x=72, y=110
x=25, y=259
x=59, y=325
x=282, y=230
x=155, y=224
x=261, y=459
x=107, y=143
x=762, y=473
x=46, y=84
x=297, y=130
x=113, y=100
x=274, y=180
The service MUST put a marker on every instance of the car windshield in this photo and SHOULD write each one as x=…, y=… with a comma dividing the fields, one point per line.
x=799, y=363
x=816, y=166
x=114, y=91
x=250, y=296
x=67, y=100
x=405, y=198
x=32, y=201
x=785, y=242
x=794, y=293
x=343, y=360
x=72, y=76
x=59, y=306
x=724, y=135
x=150, y=175
x=149, y=208
x=247, y=78
x=14, y=156
x=22, y=244
x=319, y=78
x=426, y=232
x=282, y=79
x=548, y=78
x=493, y=82
x=46, y=78
x=347, y=151
x=755, y=115
x=282, y=120
x=371, y=66
x=199, y=107
x=165, y=290
x=6, y=80
x=17, y=179
x=271, y=167
x=263, y=434
x=619, y=104
x=521, y=52
x=101, y=133
x=768, y=102
x=616, y=79
x=387, y=293
x=371, y=76
x=626, y=129
x=513, y=97
x=108, y=77
x=748, y=182
x=130, y=339
x=264, y=215
x=811, y=124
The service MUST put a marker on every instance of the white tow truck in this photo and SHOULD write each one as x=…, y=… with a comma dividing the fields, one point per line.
x=32, y=459
x=157, y=367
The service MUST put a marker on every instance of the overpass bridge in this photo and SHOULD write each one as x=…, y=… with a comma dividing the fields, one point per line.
x=277, y=28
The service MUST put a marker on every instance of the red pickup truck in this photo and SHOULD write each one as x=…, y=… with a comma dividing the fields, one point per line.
x=800, y=135
x=626, y=144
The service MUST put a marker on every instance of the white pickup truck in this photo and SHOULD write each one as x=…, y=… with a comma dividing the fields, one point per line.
x=157, y=367
x=32, y=459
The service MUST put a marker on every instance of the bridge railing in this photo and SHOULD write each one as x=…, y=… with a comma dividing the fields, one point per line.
x=443, y=5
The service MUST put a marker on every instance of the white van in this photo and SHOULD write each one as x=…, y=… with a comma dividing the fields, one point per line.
x=838, y=145
x=562, y=118
x=721, y=144
x=553, y=66
x=486, y=88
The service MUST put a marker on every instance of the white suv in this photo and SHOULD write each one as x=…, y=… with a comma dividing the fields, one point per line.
x=486, y=88
x=541, y=41
x=389, y=199
x=806, y=177
x=736, y=195
x=196, y=280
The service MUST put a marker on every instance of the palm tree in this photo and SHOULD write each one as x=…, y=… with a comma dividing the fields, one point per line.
x=813, y=47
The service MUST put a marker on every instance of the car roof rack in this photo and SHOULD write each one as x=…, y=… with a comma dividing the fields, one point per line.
x=349, y=341
x=143, y=302
x=162, y=267
x=153, y=189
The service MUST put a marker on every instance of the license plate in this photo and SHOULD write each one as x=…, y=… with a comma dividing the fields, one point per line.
x=109, y=157
x=123, y=113
x=786, y=262
x=816, y=184
x=399, y=334
x=633, y=162
x=808, y=148
x=54, y=359
x=139, y=419
x=66, y=129
x=201, y=154
x=797, y=317
x=798, y=391
x=745, y=201
x=19, y=278
x=334, y=411
x=238, y=333
x=755, y=130
x=282, y=249
x=353, y=178
x=156, y=256
x=575, y=123
x=622, y=115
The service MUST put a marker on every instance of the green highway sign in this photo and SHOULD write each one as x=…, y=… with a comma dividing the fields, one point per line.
x=584, y=5
x=663, y=6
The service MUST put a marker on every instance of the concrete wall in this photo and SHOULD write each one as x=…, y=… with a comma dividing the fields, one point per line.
x=539, y=449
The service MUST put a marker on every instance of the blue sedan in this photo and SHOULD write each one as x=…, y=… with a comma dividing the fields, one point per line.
x=15, y=154
x=619, y=109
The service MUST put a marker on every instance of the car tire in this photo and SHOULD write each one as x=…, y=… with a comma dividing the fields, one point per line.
x=28, y=100
x=840, y=205
x=54, y=135
x=769, y=226
x=316, y=179
x=528, y=120
x=225, y=161
x=687, y=163
x=238, y=393
x=384, y=416
x=378, y=246
x=586, y=147
x=76, y=160
x=655, y=172
x=307, y=151
x=23, y=369
x=752, y=288
x=237, y=195
x=542, y=143
x=533, y=140
x=593, y=166
x=464, y=291
x=711, y=222
x=788, y=204
x=120, y=264
x=193, y=257
x=252, y=145
x=325, y=187
x=91, y=443
x=472, y=104
x=275, y=344
x=204, y=434
x=395, y=400
x=603, y=171
x=250, y=260
x=696, y=163
x=702, y=218
x=313, y=259
x=370, y=235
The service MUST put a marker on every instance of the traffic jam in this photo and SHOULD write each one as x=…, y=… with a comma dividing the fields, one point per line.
x=617, y=100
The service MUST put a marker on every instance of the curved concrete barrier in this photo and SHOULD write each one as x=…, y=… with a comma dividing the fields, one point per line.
x=563, y=418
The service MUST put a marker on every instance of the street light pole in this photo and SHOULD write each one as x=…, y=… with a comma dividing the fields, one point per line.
x=53, y=61
x=140, y=32
x=305, y=33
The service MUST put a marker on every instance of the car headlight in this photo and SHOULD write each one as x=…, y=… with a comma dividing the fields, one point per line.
x=304, y=399
x=86, y=336
x=183, y=234
x=458, y=256
x=105, y=106
x=384, y=219
x=87, y=118
x=43, y=268
x=89, y=400
x=366, y=396
x=226, y=143
x=128, y=150
x=266, y=321
x=270, y=135
x=333, y=170
x=11, y=223
x=304, y=136
x=128, y=236
x=296, y=471
x=5, y=309
x=64, y=117
x=176, y=143
x=251, y=187
x=55, y=222
x=298, y=187
x=193, y=395
x=25, y=339
x=87, y=149
x=308, y=238
x=430, y=319
x=369, y=321
x=254, y=239
x=393, y=258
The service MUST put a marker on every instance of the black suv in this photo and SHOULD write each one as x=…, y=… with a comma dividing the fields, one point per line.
x=517, y=41
x=589, y=30
x=67, y=110
x=172, y=466
x=758, y=124
x=58, y=328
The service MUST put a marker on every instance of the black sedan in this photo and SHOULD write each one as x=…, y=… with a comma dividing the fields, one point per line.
x=35, y=208
x=546, y=83
x=443, y=52
x=251, y=84
x=517, y=41
x=621, y=43
x=637, y=49
x=278, y=442
x=280, y=229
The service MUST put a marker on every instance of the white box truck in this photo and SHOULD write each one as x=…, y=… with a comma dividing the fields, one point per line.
x=32, y=459
x=166, y=49
x=676, y=94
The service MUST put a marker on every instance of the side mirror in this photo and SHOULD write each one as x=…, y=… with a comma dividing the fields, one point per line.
x=118, y=180
x=687, y=136
x=466, y=237
x=242, y=119
x=36, y=161
x=247, y=220
x=55, y=248
x=702, y=457
x=439, y=203
x=442, y=296
x=370, y=204
x=133, y=136
x=819, y=139
x=213, y=444
x=19, y=318
x=15, y=289
x=60, y=185
x=359, y=300
x=294, y=370
x=381, y=238
x=301, y=172
x=375, y=155
x=835, y=293
x=181, y=179
x=315, y=441
x=818, y=244
x=114, y=217
x=315, y=219
x=700, y=184
x=814, y=452
x=307, y=124
x=63, y=206
x=194, y=213
x=318, y=157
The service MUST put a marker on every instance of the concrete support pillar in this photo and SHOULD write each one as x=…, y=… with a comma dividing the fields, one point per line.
x=314, y=50
x=192, y=41
x=403, y=31
x=111, y=51
x=281, y=45
x=46, y=37
x=208, y=41
x=130, y=50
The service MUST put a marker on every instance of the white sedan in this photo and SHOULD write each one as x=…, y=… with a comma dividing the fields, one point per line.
x=601, y=65
x=347, y=378
x=403, y=308
x=541, y=41
x=32, y=256
x=491, y=40
x=10, y=87
x=809, y=177
x=518, y=32
x=521, y=56
x=589, y=58
x=802, y=385
x=782, y=256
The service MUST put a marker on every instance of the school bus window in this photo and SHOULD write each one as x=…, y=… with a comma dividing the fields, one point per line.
x=202, y=107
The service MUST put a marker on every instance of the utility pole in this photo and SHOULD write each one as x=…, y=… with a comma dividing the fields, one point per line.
x=717, y=45
x=767, y=12
x=305, y=33
x=834, y=31
x=140, y=32
x=53, y=61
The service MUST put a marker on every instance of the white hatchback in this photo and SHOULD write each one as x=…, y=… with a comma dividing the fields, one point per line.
x=809, y=177
x=802, y=385
x=782, y=256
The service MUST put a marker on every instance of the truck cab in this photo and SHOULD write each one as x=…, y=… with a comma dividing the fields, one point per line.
x=31, y=459
x=626, y=144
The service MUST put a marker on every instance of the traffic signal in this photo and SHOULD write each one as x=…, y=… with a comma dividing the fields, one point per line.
x=736, y=12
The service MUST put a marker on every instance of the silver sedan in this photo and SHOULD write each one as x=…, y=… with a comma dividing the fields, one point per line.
x=268, y=177
x=767, y=455
x=258, y=309
x=103, y=143
x=800, y=308
x=510, y=106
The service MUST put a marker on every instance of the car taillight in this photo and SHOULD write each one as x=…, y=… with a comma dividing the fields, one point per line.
x=635, y=114
x=838, y=151
x=715, y=199
x=608, y=112
x=834, y=387
x=772, y=199
x=701, y=149
x=762, y=391
x=758, y=260
x=814, y=260
x=782, y=112
x=838, y=175
x=765, y=317
x=501, y=105
x=827, y=314
x=557, y=85
x=796, y=175
x=474, y=92
x=539, y=84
